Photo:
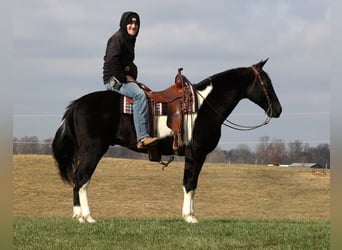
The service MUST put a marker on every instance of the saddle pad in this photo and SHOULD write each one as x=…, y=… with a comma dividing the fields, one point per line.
x=190, y=104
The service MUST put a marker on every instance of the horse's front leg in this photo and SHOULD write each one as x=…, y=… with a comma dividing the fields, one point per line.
x=193, y=166
x=188, y=211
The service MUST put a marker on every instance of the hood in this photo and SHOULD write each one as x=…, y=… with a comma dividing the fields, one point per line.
x=124, y=19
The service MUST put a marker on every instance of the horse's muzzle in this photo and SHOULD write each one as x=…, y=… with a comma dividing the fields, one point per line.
x=275, y=112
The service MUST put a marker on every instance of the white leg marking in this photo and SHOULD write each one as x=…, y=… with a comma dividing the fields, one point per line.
x=85, y=212
x=77, y=213
x=188, y=207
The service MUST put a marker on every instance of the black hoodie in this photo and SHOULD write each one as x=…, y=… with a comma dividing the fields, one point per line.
x=119, y=57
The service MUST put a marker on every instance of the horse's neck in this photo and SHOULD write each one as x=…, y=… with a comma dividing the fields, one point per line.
x=228, y=88
x=227, y=103
x=225, y=99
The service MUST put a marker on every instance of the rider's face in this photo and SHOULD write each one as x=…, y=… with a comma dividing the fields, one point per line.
x=132, y=28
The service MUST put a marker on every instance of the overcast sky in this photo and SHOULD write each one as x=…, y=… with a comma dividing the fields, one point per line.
x=59, y=47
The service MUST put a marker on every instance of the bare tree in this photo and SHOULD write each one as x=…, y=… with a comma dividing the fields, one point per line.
x=261, y=150
x=294, y=150
x=276, y=151
x=217, y=155
x=242, y=154
x=321, y=154
x=45, y=147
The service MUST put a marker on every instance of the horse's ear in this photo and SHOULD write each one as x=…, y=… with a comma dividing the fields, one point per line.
x=262, y=63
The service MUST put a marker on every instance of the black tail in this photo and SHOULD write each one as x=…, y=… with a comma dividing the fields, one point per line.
x=64, y=146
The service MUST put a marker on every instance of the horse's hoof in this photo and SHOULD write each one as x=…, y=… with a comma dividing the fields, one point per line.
x=81, y=220
x=78, y=217
x=90, y=219
x=84, y=219
x=190, y=219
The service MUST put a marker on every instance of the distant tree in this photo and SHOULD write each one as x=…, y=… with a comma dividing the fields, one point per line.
x=261, y=150
x=122, y=152
x=45, y=147
x=266, y=152
x=294, y=150
x=305, y=156
x=242, y=154
x=320, y=154
x=26, y=145
x=276, y=151
x=297, y=152
x=217, y=155
x=270, y=151
x=15, y=145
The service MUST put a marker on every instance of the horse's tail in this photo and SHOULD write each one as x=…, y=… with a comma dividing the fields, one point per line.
x=64, y=146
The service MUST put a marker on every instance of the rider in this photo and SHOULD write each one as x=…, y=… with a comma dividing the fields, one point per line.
x=120, y=73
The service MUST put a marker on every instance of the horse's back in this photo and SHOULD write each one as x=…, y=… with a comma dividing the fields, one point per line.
x=99, y=98
x=98, y=104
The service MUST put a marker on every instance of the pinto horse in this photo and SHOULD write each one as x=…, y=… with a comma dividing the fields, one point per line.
x=94, y=122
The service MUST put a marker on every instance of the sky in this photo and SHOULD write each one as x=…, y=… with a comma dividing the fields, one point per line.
x=58, y=48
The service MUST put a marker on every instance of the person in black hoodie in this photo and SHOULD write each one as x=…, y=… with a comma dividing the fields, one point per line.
x=120, y=73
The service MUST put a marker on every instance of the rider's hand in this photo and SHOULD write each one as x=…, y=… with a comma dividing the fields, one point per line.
x=130, y=78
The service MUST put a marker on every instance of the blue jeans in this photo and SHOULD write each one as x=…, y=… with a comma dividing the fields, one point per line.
x=140, y=106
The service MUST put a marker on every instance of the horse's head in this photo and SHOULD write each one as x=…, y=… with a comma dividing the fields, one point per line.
x=261, y=91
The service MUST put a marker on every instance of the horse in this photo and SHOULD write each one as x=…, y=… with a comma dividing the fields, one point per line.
x=94, y=122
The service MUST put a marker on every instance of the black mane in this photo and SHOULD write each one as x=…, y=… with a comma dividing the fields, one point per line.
x=230, y=75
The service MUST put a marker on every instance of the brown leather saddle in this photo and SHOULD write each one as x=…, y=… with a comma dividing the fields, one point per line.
x=174, y=102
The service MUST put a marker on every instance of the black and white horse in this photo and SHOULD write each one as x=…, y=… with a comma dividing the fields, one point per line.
x=94, y=122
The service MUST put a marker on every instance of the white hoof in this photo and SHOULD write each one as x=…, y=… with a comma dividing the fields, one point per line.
x=83, y=219
x=90, y=219
x=78, y=217
x=190, y=219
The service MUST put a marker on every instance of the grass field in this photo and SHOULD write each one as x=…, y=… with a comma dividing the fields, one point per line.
x=138, y=206
x=132, y=233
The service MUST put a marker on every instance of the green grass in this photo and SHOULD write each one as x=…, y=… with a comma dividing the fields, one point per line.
x=131, y=233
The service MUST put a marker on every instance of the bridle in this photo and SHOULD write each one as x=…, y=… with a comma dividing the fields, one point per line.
x=235, y=126
x=257, y=76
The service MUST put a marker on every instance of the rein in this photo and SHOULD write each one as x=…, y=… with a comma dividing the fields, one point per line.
x=235, y=126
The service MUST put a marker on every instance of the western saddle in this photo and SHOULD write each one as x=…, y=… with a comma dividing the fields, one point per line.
x=174, y=102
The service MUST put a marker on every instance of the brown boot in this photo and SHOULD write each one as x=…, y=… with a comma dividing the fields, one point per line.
x=146, y=141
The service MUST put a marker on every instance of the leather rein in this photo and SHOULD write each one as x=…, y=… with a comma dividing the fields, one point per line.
x=235, y=126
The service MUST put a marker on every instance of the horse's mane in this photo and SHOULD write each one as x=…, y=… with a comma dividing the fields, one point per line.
x=211, y=79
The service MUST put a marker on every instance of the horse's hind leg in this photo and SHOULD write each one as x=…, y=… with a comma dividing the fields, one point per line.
x=81, y=209
x=82, y=178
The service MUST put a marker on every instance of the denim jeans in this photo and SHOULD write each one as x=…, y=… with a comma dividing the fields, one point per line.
x=140, y=106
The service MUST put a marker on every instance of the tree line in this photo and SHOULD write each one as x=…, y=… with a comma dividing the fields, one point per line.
x=266, y=151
